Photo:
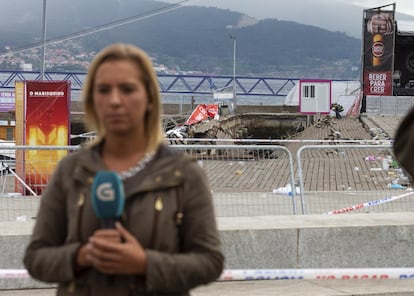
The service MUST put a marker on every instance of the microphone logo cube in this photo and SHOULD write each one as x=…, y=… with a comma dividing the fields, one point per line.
x=105, y=192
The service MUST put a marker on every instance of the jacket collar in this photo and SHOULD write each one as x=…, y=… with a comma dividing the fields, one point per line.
x=88, y=163
x=161, y=173
x=164, y=171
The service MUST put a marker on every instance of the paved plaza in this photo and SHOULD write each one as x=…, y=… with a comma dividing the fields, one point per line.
x=285, y=288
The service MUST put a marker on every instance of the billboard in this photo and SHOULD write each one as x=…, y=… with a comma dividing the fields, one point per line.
x=43, y=120
x=378, y=54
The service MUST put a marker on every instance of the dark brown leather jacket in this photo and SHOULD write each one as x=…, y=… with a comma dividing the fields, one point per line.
x=181, y=253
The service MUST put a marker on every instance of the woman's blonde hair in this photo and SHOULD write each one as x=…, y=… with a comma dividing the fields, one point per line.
x=118, y=51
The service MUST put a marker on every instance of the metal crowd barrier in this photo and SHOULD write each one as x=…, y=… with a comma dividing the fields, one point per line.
x=252, y=177
x=242, y=179
x=338, y=179
x=388, y=105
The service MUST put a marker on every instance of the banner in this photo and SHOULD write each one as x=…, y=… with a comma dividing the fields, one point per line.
x=44, y=121
x=378, y=57
x=201, y=113
x=7, y=101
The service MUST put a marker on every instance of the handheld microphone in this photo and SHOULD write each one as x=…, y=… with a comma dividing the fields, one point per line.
x=108, y=197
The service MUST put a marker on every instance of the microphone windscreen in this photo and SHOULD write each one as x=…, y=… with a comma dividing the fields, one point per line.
x=108, y=195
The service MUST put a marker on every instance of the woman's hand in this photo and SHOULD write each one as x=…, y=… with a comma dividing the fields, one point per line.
x=83, y=258
x=108, y=254
x=84, y=255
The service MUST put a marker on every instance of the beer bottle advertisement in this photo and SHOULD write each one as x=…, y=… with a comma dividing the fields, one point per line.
x=378, y=44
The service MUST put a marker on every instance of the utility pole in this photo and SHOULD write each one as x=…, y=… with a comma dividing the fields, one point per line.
x=42, y=66
x=234, y=62
x=234, y=103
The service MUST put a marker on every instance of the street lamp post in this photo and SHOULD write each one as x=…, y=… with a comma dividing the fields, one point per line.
x=42, y=66
x=234, y=69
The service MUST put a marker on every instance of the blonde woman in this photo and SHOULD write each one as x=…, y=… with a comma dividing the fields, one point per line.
x=167, y=241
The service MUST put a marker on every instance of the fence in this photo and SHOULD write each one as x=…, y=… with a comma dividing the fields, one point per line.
x=388, y=105
x=259, y=177
x=335, y=179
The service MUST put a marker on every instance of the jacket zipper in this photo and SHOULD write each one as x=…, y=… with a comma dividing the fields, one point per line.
x=158, y=206
x=80, y=204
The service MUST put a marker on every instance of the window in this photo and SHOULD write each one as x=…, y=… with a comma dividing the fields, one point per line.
x=10, y=134
x=309, y=91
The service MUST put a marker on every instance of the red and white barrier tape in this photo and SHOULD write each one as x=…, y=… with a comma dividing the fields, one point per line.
x=316, y=274
x=281, y=274
x=368, y=204
x=13, y=274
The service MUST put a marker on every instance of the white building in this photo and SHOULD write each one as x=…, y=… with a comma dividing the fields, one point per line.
x=346, y=93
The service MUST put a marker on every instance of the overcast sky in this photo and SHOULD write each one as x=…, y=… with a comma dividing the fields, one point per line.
x=336, y=15
x=267, y=8
x=402, y=6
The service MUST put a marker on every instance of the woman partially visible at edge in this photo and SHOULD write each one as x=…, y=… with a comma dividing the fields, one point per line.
x=403, y=145
x=167, y=241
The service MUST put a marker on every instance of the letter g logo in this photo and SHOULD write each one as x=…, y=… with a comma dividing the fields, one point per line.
x=105, y=192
